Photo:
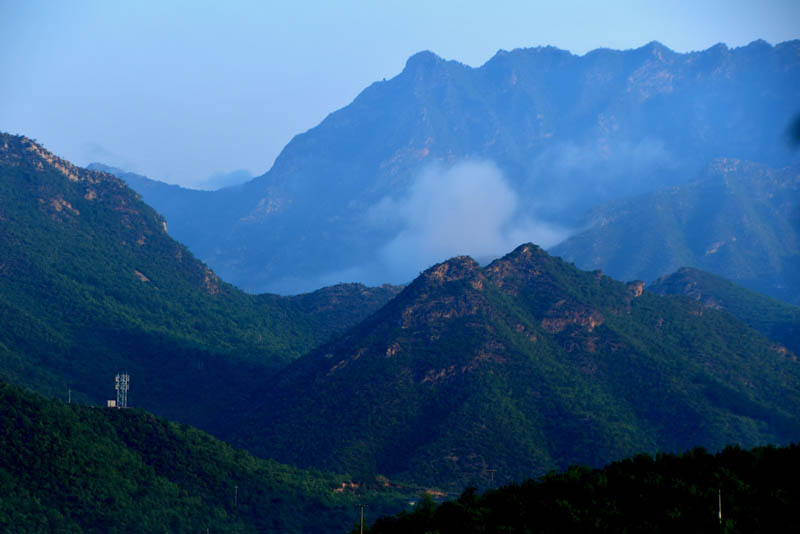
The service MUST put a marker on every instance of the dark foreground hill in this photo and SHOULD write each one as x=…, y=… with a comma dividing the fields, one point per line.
x=70, y=468
x=739, y=220
x=474, y=374
x=91, y=285
x=775, y=319
x=567, y=133
x=755, y=491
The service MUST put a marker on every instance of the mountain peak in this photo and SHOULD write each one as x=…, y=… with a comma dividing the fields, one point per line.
x=422, y=60
x=521, y=263
x=458, y=268
x=12, y=148
x=658, y=50
x=525, y=251
x=655, y=44
x=758, y=43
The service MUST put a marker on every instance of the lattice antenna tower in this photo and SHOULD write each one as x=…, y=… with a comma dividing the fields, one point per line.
x=122, y=384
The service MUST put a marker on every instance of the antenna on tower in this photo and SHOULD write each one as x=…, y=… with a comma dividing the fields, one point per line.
x=122, y=384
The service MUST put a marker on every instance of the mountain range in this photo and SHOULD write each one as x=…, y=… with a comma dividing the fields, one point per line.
x=479, y=371
x=538, y=135
x=469, y=374
x=524, y=366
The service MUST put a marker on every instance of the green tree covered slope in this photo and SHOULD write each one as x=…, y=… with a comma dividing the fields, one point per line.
x=91, y=284
x=775, y=319
x=739, y=220
x=524, y=366
x=71, y=468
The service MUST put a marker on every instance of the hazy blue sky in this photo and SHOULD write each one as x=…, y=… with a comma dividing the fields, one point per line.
x=182, y=90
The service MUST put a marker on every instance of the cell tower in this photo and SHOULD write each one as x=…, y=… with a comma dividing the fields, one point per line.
x=122, y=384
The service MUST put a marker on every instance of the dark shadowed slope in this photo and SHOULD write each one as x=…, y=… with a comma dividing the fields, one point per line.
x=756, y=491
x=523, y=366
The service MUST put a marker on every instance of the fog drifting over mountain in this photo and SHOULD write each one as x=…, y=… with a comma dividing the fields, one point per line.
x=465, y=209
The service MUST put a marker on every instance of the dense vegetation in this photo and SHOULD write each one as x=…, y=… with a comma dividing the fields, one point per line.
x=91, y=284
x=71, y=468
x=758, y=491
x=522, y=367
x=469, y=375
x=775, y=319
x=740, y=220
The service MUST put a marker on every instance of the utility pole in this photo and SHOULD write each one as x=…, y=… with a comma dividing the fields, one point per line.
x=491, y=475
x=719, y=507
x=362, y=506
x=69, y=395
x=235, y=495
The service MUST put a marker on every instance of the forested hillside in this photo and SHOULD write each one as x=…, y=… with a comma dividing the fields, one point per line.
x=775, y=319
x=70, y=468
x=526, y=365
x=738, y=219
x=91, y=285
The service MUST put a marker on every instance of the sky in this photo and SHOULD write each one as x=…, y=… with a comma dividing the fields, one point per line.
x=190, y=91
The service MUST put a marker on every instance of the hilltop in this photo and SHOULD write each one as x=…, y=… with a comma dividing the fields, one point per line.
x=526, y=365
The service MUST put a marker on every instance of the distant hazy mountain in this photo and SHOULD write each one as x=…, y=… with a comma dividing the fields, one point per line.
x=526, y=365
x=739, y=220
x=545, y=134
x=92, y=285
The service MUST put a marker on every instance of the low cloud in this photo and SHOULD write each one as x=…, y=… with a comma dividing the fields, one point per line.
x=467, y=209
